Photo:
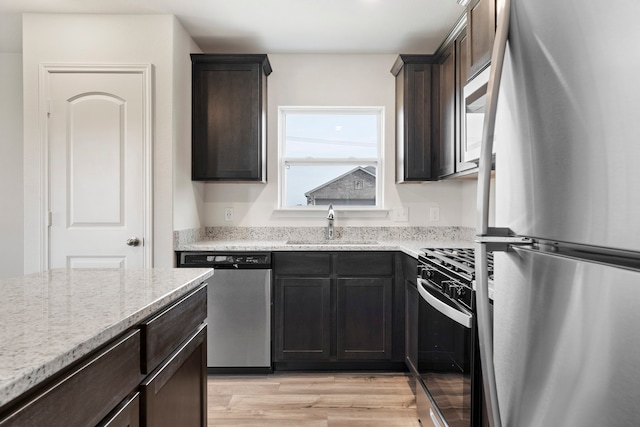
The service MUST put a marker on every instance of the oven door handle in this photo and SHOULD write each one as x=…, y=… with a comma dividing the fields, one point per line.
x=460, y=317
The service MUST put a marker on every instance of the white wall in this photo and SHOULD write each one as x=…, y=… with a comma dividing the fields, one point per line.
x=469, y=200
x=331, y=80
x=11, y=213
x=188, y=196
x=120, y=39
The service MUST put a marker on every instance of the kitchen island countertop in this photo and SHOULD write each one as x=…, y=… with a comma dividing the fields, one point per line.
x=51, y=319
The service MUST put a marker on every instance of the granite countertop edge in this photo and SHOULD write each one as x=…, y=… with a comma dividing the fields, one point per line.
x=19, y=373
x=409, y=247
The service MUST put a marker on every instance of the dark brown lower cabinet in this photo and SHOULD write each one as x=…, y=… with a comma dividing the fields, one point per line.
x=337, y=310
x=109, y=388
x=175, y=393
x=409, y=279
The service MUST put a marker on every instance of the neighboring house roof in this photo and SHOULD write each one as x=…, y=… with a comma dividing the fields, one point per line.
x=368, y=169
x=355, y=187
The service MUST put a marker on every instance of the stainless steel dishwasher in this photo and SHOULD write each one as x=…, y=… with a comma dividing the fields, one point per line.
x=238, y=310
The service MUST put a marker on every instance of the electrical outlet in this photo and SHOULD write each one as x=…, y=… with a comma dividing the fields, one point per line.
x=228, y=214
x=400, y=214
x=434, y=214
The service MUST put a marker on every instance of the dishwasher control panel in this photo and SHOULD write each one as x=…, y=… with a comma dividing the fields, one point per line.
x=225, y=260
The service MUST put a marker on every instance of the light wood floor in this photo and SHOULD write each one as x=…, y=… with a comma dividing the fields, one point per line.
x=312, y=399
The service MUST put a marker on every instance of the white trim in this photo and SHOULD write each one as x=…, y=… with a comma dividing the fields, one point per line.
x=43, y=169
x=146, y=70
x=378, y=161
x=321, y=212
x=324, y=160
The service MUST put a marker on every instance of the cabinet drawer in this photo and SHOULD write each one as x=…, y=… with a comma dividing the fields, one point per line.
x=364, y=264
x=88, y=393
x=175, y=394
x=164, y=332
x=127, y=414
x=302, y=263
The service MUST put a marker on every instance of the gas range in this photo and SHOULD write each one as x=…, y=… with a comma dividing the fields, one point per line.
x=452, y=271
x=447, y=357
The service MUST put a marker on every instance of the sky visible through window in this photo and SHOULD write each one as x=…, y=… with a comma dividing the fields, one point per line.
x=331, y=137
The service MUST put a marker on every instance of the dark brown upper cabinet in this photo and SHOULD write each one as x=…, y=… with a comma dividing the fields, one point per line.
x=451, y=74
x=229, y=125
x=446, y=131
x=416, y=155
x=481, y=30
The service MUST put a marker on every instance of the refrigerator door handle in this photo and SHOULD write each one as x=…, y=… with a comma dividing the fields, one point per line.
x=502, y=239
x=463, y=319
x=485, y=327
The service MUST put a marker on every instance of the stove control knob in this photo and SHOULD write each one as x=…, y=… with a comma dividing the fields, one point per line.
x=426, y=273
x=454, y=291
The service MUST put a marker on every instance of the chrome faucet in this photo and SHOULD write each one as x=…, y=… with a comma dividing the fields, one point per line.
x=330, y=217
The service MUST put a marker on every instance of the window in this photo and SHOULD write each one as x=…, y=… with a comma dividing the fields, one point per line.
x=330, y=156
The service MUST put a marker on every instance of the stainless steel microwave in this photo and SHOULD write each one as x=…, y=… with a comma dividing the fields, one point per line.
x=474, y=100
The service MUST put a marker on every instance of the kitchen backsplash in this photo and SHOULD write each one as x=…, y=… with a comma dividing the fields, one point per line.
x=185, y=237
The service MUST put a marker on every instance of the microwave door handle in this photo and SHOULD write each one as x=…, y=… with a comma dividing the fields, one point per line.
x=461, y=318
x=485, y=327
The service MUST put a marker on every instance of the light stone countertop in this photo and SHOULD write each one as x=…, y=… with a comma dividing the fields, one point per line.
x=410, y=247
x=49, y=320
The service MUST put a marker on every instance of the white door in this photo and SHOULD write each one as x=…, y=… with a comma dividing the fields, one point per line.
x=98, y=168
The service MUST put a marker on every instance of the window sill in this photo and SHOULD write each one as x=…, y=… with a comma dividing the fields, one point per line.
x=321, y=212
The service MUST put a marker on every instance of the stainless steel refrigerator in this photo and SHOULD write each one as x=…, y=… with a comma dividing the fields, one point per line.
x=563, y=107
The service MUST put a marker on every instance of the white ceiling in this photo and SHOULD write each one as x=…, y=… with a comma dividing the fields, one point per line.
x=272, y=26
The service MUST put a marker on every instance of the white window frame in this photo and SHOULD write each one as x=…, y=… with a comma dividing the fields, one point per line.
x=378, y=161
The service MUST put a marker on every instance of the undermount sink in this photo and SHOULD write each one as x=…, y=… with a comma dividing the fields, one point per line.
x=332, y=242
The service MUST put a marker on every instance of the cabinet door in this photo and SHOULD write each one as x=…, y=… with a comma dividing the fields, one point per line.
x=229, y=100
x=364, y=310
x=447, y=112
x=481, y=28
x=303, y=318
x=411, y=326
x=414, y=151
x=175, y=394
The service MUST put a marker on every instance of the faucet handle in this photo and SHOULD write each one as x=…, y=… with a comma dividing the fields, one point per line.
x=331, y=214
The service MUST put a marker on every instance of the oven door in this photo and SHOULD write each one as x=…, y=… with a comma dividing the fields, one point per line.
x=445, y=356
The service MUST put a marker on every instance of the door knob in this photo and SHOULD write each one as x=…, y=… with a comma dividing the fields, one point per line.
x=134, y=241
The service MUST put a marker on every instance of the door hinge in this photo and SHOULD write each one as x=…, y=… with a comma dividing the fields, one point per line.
x=499, y=239
x=48, y=108
x=49, y=218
